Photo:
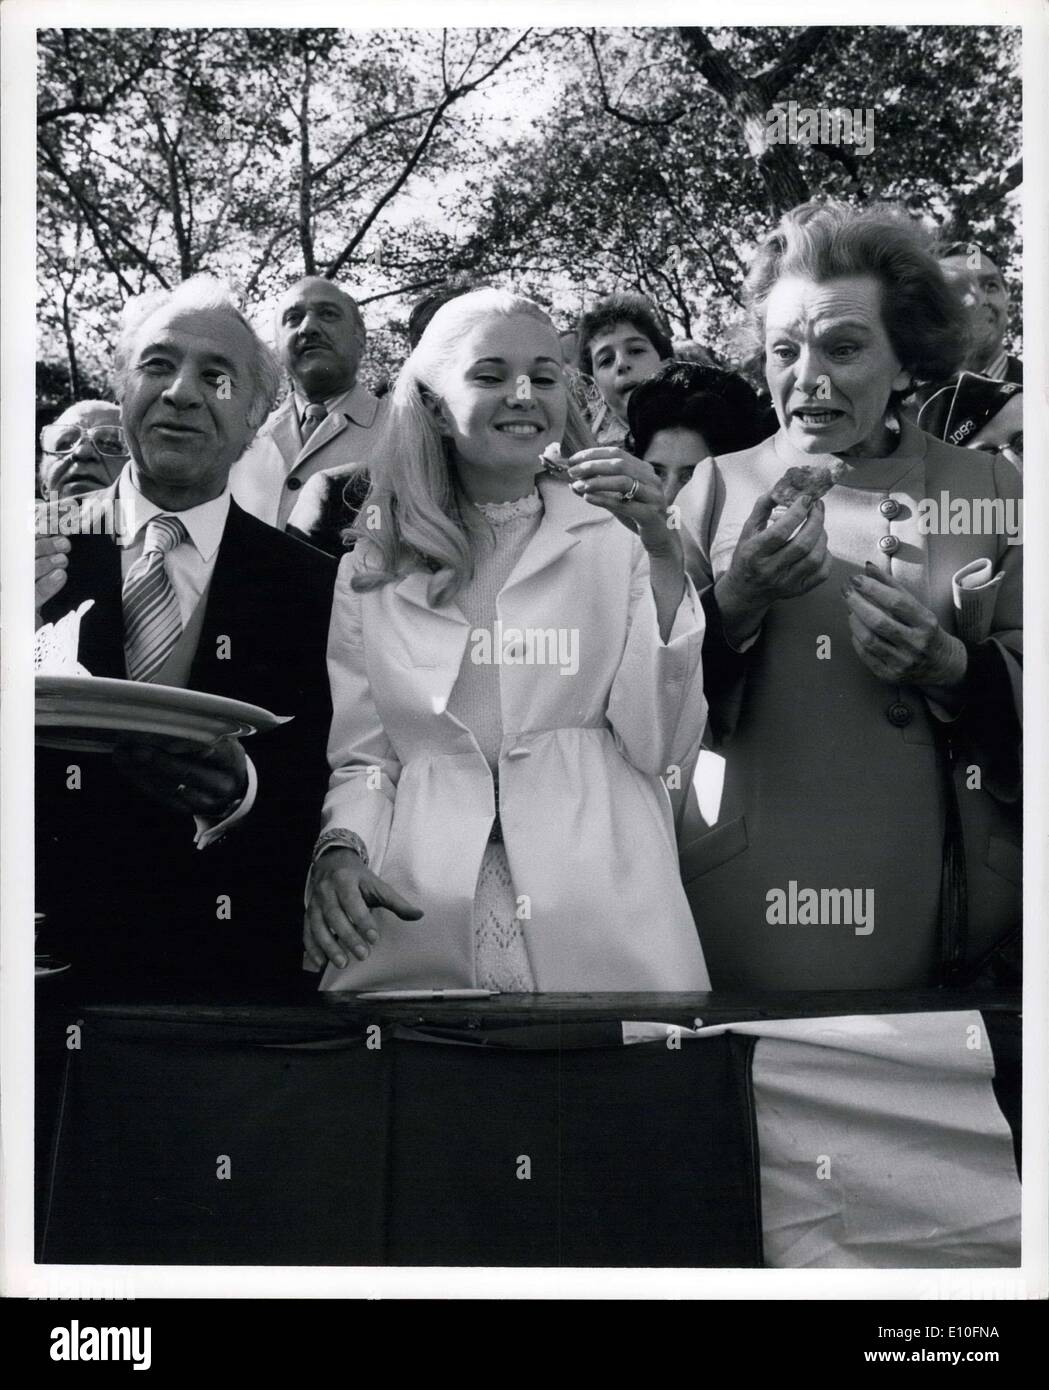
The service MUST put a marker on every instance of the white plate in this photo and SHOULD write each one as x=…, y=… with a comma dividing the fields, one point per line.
x=41, y=972
x=91, y=714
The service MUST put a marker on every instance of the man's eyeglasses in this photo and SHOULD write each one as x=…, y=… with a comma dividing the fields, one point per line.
x=108, y=440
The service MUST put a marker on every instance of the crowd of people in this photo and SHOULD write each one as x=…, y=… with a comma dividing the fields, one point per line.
x=523, y=607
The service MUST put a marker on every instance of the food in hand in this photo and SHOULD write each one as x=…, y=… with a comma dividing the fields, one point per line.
x=551, y=459
x=814, y=479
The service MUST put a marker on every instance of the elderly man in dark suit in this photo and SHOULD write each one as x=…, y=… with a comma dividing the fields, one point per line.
x=193, y=592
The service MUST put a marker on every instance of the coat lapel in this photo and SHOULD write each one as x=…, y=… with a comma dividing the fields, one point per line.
x=564, y=516
x=434, y=638
x=229, y=613
x=329, y=428
x=285, y=433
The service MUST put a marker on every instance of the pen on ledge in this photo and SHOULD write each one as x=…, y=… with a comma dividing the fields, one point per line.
x=428, y=994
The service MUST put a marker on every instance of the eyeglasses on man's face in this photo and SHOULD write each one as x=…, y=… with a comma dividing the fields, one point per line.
x=108, y=440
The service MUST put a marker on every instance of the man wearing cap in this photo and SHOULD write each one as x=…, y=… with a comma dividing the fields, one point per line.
x=328, y=420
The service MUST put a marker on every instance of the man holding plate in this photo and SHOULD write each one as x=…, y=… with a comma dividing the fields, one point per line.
x=193, y=593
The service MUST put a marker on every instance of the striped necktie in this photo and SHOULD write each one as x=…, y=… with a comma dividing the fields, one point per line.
x=311, y=418
x=152, y=621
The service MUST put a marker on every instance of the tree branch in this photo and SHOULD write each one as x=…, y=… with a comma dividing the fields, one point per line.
x=456, y=94
x=614, y=109
x=93, y=216
x=103, y=105
x=993, y=190
x=798, y=53
x=366, y=134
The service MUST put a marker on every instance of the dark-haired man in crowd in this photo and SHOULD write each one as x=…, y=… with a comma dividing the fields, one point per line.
x=622, y=341
x=331, y=499
x=328, y=420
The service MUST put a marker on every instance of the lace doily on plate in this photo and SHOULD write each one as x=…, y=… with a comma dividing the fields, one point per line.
x=55, y=645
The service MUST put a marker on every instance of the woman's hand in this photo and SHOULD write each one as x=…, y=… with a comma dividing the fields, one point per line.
x=603, y=476
x=782, y=560
x=897, y=638
x=342, y=890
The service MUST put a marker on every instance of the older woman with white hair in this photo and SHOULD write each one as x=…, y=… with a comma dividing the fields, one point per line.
x=513, y=667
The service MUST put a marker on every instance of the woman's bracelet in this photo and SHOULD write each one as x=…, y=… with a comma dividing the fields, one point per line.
x=335, y=838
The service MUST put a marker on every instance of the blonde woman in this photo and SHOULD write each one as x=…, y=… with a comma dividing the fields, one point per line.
x=513, y=667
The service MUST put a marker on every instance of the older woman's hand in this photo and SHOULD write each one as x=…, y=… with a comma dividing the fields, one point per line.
x=604, y=476
x=897, y=638
x=338, y=918
x=770, y=562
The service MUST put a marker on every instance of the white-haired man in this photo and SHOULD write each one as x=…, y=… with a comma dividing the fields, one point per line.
x=190, y=592
x=329, y=420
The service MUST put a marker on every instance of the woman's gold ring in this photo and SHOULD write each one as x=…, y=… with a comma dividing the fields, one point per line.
x=629, y=496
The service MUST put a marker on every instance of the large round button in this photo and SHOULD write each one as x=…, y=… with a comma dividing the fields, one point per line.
x=890, y=544
x=889, y=508
x=899, y=714
x=293, y=484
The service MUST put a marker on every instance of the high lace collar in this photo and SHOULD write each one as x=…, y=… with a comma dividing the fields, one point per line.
x=499, y=513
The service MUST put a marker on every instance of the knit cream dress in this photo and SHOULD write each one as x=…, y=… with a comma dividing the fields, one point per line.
x=499, y=924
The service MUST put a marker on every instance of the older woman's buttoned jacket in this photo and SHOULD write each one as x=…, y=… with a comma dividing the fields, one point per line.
x=834, y=779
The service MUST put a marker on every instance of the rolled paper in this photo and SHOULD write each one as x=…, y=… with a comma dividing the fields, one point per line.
x=975, y=590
